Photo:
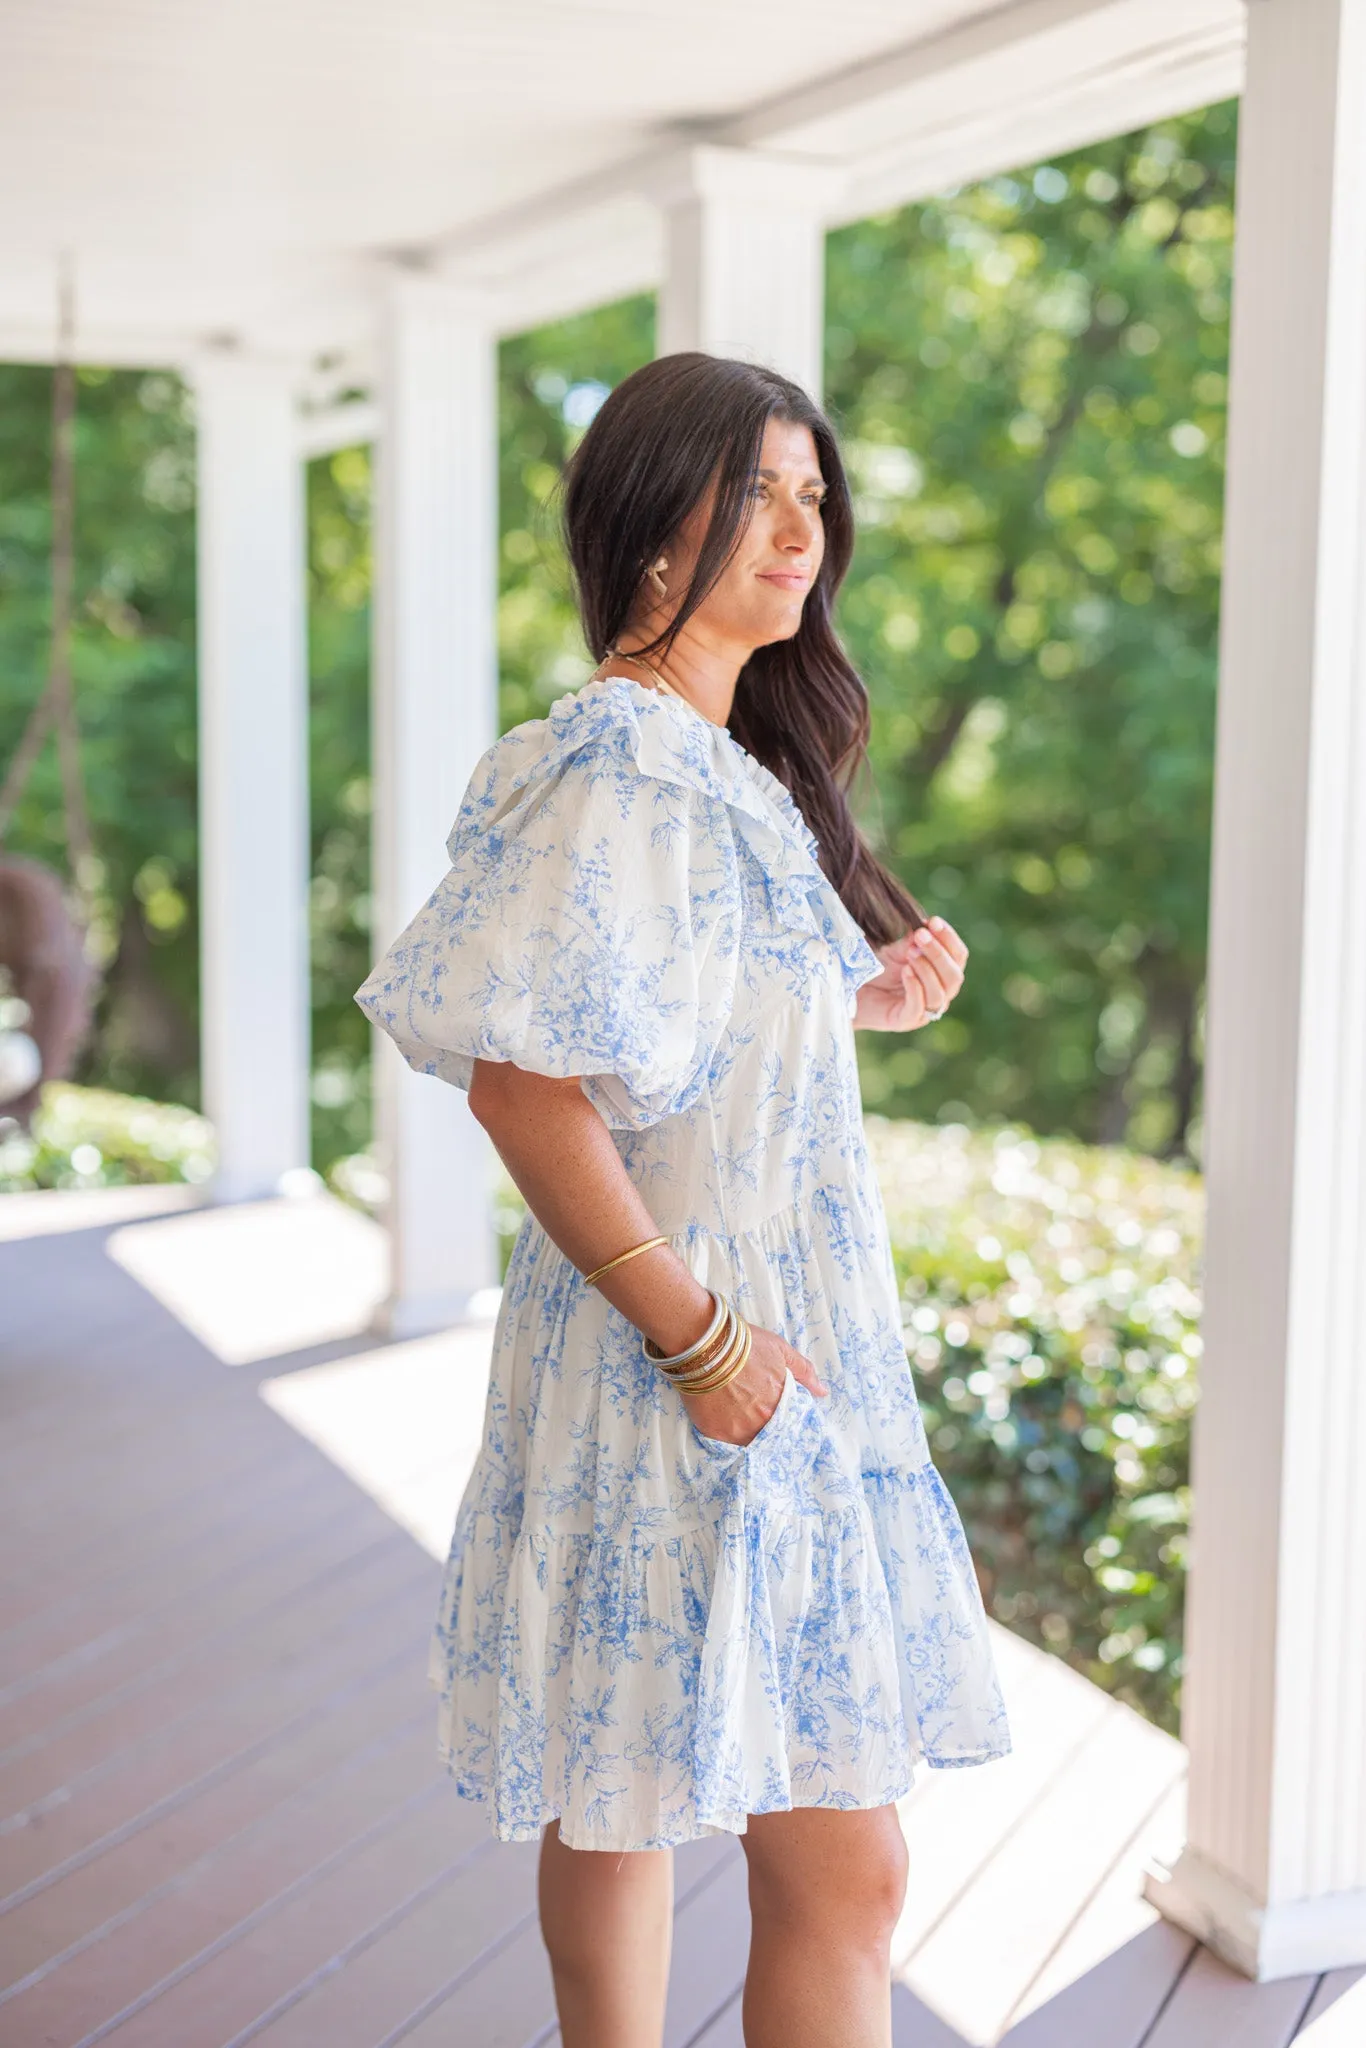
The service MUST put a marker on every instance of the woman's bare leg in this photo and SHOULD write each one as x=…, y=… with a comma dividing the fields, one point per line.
x=607, y=1921
x=825, y=1892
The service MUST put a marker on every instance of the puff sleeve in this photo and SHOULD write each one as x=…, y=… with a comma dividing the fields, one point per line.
x=588, y=925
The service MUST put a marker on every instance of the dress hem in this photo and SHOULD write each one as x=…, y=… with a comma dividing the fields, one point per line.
x=531, y=1831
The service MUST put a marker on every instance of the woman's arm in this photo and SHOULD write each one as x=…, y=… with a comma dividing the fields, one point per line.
x=560, y=1154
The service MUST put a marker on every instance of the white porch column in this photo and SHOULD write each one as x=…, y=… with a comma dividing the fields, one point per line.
x=253, y=774
x=435, y=711
x=1274, y=1875
x=744, y=264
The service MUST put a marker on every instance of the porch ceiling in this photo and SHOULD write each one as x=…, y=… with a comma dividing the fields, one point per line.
x=250, y=171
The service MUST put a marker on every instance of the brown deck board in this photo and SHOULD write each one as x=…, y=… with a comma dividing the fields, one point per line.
x=1116, y=1967
x=105, y=1608
x=216, y=1677
x=130, y=1921
x=236, y=1600
x=1213, y=2007
x=447, y=1937
x=165, y=1770
x=294, y=1934
x=1337, y=2011
x=711, y=1942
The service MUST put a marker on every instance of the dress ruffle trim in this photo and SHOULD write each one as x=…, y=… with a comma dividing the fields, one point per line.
x=823, y=1623
x=673, y=743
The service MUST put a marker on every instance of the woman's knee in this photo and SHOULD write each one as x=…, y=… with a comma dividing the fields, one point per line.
x=830, y=1870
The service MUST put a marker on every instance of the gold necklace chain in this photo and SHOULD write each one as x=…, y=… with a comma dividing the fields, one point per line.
x=650, y=670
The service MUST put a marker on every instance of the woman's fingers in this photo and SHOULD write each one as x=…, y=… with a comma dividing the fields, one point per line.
x=937, y=968
x=922, y=977
x=943, y=931
x=802, y=1369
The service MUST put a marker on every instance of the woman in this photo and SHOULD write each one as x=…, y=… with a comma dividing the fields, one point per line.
x=715, y=1584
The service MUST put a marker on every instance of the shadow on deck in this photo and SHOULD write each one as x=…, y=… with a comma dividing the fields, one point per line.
x=222, y=1817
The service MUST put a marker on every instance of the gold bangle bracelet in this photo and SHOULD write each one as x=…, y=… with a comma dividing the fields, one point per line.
x=729, y=1370
x=724, y=1375
x=669, y=1360
x=720, y=1347
x=621, y=1258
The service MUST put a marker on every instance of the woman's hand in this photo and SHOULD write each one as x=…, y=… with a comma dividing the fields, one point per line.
x=736, y=1413
x=922, y=974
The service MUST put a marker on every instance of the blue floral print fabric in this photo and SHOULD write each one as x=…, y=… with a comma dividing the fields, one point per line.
x=644, y=1630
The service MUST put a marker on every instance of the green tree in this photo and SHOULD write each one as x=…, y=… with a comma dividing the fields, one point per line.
x=133, y=662
x=1030, y=376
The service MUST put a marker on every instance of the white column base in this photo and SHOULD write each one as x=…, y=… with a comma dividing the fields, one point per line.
x=426, y=1315
x=1295, y=1939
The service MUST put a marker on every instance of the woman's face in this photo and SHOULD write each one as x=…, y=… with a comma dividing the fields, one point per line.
x=761, y=591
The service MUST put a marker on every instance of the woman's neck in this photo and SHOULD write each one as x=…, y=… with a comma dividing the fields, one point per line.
x=706, y=675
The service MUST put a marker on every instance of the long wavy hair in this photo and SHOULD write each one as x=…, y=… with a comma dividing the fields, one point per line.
x=683, y=423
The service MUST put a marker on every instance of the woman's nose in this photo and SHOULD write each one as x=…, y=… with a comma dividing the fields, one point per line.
x=797, y=528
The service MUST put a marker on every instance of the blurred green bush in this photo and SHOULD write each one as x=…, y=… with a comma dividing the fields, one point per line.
x=94, y=1138
x=1051, y=1308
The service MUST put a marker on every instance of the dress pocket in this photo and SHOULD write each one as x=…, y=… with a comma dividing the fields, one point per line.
x=775, y=1425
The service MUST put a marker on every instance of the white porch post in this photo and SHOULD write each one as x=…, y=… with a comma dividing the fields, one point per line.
x=744, y=264
x=1274, y=1875
x=435, y=711
x=253, y=777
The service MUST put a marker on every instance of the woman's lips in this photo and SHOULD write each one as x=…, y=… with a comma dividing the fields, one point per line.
x=786, y=579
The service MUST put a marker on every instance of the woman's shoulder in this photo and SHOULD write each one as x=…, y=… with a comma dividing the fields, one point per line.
x=614, y=749
x=609, y=736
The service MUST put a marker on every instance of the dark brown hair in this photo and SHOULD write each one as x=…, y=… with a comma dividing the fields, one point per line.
x=659, y=440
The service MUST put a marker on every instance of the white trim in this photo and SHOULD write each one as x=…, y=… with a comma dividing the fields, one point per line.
x=348, y=425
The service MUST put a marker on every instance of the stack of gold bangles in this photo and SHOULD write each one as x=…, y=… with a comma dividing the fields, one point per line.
x=720, y=1353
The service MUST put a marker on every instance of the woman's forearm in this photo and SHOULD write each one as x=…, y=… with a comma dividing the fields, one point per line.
x=560, y=1154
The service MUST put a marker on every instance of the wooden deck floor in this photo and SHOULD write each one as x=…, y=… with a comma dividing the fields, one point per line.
x=222, y=1821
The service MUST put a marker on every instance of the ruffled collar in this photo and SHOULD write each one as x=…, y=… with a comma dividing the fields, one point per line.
x=672, y=740
x=674, y=734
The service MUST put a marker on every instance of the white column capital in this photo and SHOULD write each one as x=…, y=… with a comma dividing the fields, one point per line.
x=744, y=261
x=242, y=369
x=756, y=178
x=415, y=292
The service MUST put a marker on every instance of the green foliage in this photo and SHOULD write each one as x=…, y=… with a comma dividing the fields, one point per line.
x=133, y=661
x=339, y=578
x=1052, y=1312
x=93, y=1138
x=1029, y=375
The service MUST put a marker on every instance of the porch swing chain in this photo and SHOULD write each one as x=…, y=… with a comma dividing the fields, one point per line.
x=56, y=704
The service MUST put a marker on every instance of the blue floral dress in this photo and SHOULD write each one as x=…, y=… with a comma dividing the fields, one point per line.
x=643, y=1630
